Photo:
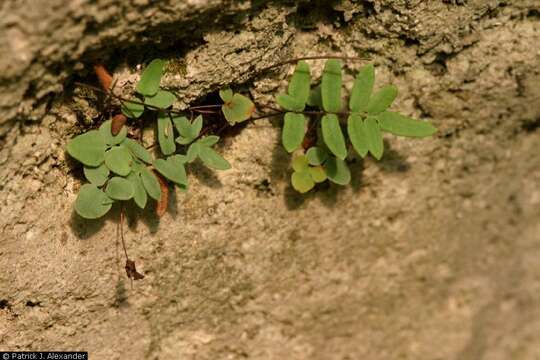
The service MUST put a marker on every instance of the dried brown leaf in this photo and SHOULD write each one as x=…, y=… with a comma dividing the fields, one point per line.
x=131, y=270
x=161, y=207
x=118, y=122
x=104, y=77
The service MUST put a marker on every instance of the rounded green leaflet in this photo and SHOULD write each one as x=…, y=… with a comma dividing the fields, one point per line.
x=302, y=181
x=119, y=188
x=238, y=109
x=132, y=109
x=358, y=134
x=108, y=137
x=294, y=129
x=331, y=86
x=118, y=160
x=382, y=99
x=183, y=141
x=89, y=148
x=148, y=85
x=287, y=102
x=193, y=152
x=92, y=203
x=181, y=158
x=226, y=94
x=337, y=171
x=401, y=125
x=333, y=136
x=137, y=166
x=182, y=125
x=151, y=183
x=138, y=150
x=163, y=99
x=172, y=170
x=208, y=140
x=97, y=175
x=299, y=86
x=212, y=159
x=139, y=193
x=316, y=155
x=166, y=135
x=179, y=161
x=300, y=163
x=196, y=127
x=317, y=173
x=362, y=89
x=374, y=138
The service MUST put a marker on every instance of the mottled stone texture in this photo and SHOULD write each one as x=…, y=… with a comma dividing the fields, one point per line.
x=431, y=253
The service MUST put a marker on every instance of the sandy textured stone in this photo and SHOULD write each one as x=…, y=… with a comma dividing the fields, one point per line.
x=431, y=253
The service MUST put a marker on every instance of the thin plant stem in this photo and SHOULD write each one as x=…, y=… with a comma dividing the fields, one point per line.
x=121, y=98
x=266, y=116
x=206, y=111
x=269, y=107
x=319, y=57
x=122, y=231
x=205, y=107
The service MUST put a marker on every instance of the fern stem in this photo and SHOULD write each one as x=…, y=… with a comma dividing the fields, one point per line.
x=319, y=57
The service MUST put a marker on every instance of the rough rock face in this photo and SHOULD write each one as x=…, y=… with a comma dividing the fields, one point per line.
x=432, y=253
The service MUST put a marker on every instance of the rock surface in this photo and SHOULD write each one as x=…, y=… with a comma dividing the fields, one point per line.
x=431, y=253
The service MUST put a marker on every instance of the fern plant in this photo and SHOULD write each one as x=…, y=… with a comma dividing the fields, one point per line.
x=119, y=168
x=361, y=125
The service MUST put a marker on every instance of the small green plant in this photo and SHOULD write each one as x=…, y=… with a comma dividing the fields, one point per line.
x=366, y=118
x=119, y=168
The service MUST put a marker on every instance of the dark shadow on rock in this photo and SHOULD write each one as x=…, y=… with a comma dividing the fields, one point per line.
x=205, y=175
x=311, y=13
x=172, y=43
x=392, y=161
x=357, y=174
x=86, y=228
x=293, y=199
x=327, y=192
x=76, y=169
x=120, y=296
x=279, y=167
x=148, y=216
x=173, y=205
x=265, y=188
